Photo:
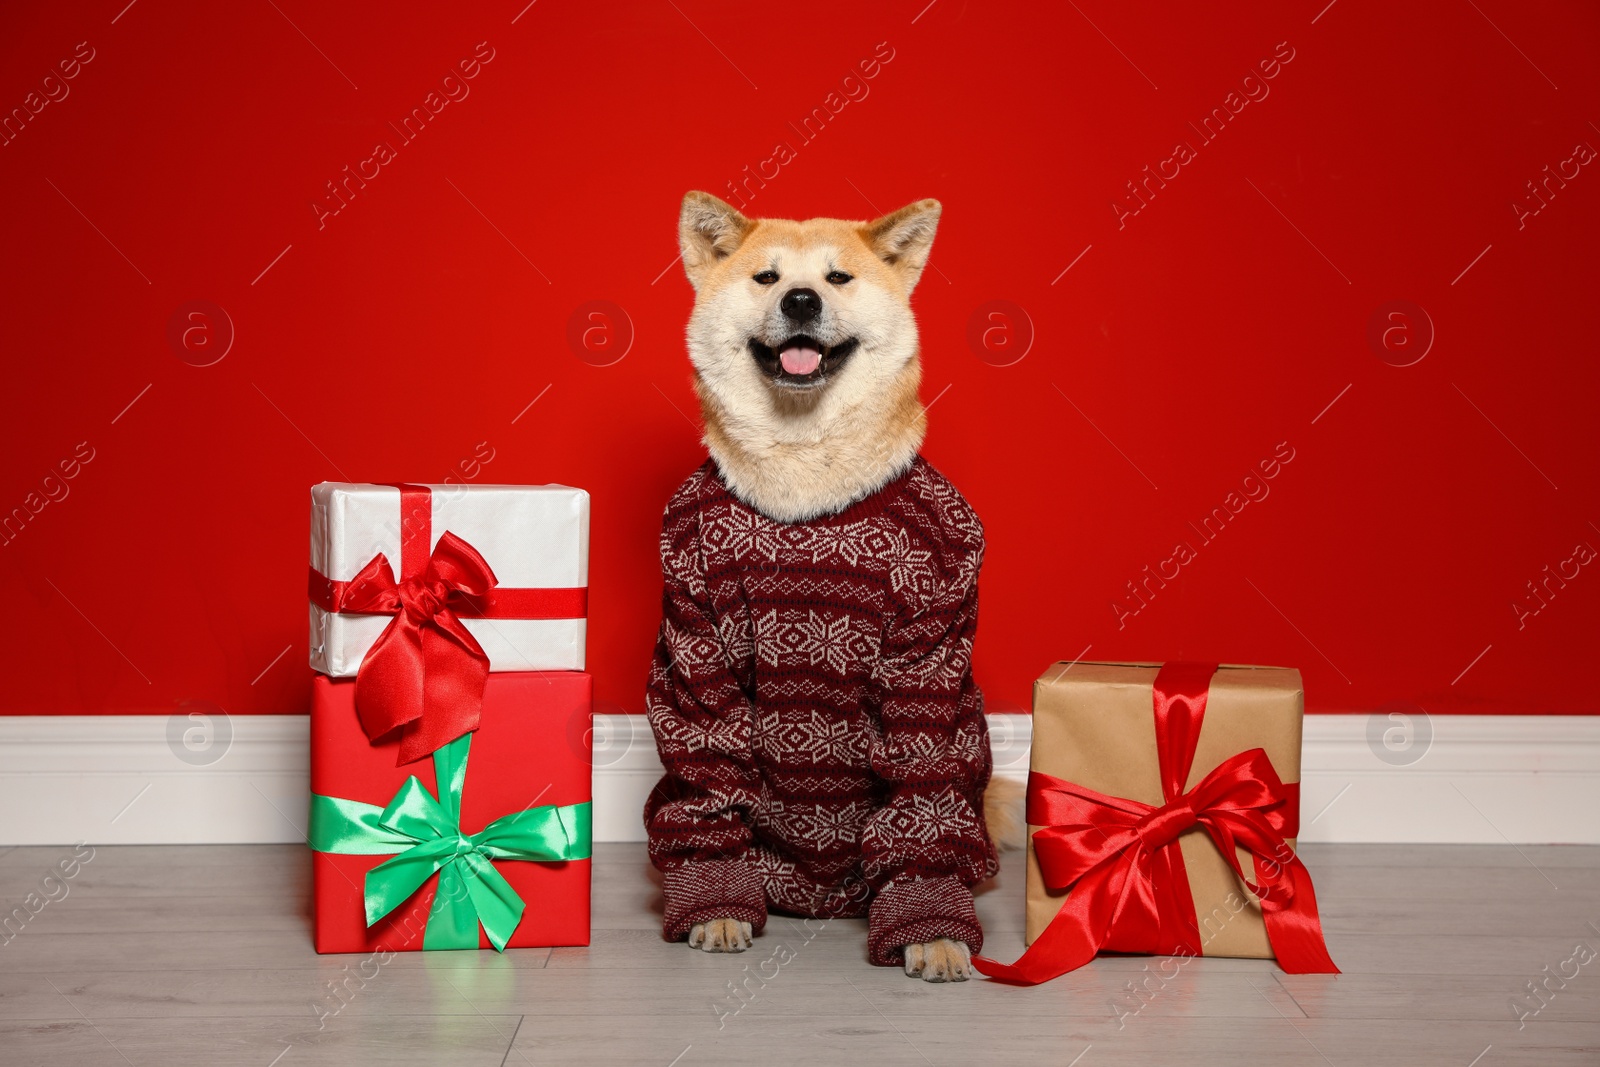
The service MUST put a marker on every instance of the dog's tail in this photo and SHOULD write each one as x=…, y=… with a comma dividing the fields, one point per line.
x=1003, y=810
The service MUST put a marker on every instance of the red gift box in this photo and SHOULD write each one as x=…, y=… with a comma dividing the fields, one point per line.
x=531, y=748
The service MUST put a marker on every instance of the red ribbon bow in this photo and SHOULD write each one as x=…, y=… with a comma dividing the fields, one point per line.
x=1129, y=887
x=425, y=673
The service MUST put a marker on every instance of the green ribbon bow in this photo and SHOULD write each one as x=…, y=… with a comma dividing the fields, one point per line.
x=427, y=835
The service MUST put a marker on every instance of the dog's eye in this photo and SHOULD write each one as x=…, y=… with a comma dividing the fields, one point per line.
x=767, y=277
x=838, y=277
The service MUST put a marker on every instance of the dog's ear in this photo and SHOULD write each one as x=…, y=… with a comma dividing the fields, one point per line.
x=903, y=238
x=708, y=230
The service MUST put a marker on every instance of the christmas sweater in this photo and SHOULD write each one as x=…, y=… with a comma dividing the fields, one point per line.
x=813, y=703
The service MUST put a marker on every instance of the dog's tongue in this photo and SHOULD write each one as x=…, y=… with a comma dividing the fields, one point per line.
x=800, y=359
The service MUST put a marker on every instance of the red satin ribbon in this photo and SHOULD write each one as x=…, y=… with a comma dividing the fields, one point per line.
x=425, y=674
x=497, y=603
x=1129, y=887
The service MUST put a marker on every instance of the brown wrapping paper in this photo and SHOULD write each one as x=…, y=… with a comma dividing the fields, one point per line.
x=1093, y=724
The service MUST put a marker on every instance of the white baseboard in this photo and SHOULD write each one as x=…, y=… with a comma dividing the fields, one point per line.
x=115, y=780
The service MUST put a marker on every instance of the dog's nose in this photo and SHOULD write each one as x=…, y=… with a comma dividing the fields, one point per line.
x=801, y=305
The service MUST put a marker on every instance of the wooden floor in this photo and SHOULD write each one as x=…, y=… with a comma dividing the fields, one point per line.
x=201, y=955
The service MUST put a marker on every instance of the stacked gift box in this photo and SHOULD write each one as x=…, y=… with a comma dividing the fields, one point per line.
x=450, y=761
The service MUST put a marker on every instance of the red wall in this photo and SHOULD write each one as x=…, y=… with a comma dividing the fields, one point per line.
x=402, y=337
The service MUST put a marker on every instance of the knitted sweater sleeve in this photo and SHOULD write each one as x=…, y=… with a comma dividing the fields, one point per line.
x=697, y=818
x=925, y=849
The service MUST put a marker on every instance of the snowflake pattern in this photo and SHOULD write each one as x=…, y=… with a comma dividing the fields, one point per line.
x=815, y=640
x=911, y=569
x=812, y=738
x=927, y=819
x=739, y=533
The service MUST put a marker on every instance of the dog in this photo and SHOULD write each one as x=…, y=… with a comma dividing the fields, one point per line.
x=811, y=693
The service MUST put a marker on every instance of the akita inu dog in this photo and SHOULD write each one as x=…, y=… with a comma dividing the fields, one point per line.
x=812, y=695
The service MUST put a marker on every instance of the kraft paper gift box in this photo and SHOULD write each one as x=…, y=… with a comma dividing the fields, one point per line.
x=535, y=538
x=517, y=789
x=1126, y=825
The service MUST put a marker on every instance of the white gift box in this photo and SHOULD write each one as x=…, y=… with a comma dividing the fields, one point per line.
x=534, y=537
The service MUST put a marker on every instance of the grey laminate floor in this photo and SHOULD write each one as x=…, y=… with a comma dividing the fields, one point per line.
x=201, y=955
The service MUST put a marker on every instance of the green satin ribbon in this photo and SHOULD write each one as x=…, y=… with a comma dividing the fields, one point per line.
x=427, y=835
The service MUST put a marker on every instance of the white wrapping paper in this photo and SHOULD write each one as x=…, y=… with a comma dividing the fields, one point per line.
x=533, y=536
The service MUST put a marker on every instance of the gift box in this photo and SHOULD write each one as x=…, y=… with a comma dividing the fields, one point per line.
x=1163, y=805
x=484, y=845
x=423, y=640
x=527, y=615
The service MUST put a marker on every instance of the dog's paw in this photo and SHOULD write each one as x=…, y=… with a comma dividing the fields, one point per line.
x=939, y=960
x=720, y=935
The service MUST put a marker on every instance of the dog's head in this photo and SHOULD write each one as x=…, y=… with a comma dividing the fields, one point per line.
x=796, y=317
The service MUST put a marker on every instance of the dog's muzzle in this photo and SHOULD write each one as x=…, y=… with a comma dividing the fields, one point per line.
x=801, y=361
